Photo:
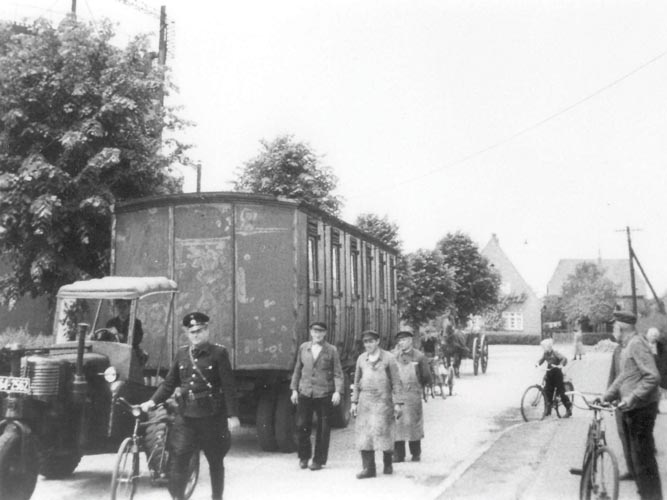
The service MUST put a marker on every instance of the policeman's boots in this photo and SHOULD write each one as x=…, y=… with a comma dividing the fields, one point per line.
x=367, y=464
x=386, y=460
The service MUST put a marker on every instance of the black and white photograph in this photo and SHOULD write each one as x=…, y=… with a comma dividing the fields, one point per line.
x=325, y=249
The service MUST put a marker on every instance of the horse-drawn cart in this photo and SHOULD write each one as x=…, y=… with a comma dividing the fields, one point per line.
x=456, y=346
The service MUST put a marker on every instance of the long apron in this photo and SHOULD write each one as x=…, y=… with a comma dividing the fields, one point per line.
x=410, y=427
x=375, y=423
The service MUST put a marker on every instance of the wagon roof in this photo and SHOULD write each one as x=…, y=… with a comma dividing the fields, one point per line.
x=117, y=287
x=233, y=196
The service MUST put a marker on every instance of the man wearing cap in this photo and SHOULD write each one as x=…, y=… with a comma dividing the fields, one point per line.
x=202, y=374
x=414, y=371
x=635, y=386
x=376, y=404
x=317, y=386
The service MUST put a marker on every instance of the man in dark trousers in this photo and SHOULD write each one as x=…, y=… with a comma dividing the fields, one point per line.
x=614, y=371
x=317, y=386
x=636, y=389
x=208, y=406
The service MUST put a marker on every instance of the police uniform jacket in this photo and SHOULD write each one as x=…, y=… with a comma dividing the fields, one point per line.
x=200, y=398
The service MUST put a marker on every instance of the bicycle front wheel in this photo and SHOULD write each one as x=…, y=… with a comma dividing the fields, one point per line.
x=600, y=480
x=532, y=404
x=126, y=472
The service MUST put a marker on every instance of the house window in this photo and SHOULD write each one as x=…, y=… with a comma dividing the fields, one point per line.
x=512, y=321
x=354, y=275
x=313, y=267
x=335, y=262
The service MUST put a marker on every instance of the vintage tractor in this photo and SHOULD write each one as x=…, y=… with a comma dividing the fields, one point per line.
x=57, y=402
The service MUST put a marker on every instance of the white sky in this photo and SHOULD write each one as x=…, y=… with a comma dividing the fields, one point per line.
x=433, y=112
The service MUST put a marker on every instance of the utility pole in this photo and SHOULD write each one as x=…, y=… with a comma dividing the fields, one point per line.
x=162, y=45
x=74, y=8
x=632, y=272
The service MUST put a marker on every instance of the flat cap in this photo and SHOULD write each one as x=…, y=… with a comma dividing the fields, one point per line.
x=195, y=321
x=625, y=317
x=318, y=325
x=404, y=333
x=370, y=333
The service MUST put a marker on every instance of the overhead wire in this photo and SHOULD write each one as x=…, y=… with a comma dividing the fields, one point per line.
x=520, y=132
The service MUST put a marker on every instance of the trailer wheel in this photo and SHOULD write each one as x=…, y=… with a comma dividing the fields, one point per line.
x=340, y=417
x=264, y=423
x=475, y=356
x=15, y=483
x=285, y=424
x=55, y=465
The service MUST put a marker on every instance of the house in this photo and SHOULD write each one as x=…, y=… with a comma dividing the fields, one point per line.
x=522, y=314
x=616, y=270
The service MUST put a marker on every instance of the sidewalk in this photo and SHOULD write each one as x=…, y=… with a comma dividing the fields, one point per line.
x=532, y=460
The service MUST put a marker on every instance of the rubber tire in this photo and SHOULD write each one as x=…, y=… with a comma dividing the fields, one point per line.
x=15, y=485
x=475, y=355
x=53, y=465
x=264, y=423
x=585, y=490
x=485, y=354
x=528, y=396
x=155, y=439
x=285, y=423
x=340, y=416
x=193, y=477
x=124, y=454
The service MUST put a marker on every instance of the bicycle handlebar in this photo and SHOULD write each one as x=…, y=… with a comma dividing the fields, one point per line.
x=596, y=404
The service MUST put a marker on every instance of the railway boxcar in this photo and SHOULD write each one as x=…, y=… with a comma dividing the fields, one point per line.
x=262, y=268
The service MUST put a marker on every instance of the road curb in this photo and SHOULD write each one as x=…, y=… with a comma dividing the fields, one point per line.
x=463, y=467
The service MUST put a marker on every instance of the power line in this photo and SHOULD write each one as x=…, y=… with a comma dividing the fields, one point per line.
x=522, y=131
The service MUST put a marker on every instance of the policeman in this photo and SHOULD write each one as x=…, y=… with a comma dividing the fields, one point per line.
x=202, y=373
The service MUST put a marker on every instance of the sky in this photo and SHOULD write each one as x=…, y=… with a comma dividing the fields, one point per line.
x=543, y=122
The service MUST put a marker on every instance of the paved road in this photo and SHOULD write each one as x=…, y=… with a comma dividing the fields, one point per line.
x=458, y=429
x=532, y=461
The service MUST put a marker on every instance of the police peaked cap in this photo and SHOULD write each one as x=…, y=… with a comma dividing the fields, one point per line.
x=195, y=319
x=404, y=333
x=318, y=325
x=625, y=317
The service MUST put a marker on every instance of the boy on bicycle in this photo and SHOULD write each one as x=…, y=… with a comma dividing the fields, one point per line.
x=554, y=377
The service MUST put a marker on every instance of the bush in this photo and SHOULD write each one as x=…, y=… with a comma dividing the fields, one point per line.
x=21, y=336
x=592, y=338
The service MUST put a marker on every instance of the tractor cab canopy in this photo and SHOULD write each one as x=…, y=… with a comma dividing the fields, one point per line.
x=129, y=310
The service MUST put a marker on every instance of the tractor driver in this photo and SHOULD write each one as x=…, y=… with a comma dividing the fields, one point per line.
x=119, y=325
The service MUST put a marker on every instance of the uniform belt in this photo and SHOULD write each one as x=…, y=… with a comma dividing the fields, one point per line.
x=202, y=394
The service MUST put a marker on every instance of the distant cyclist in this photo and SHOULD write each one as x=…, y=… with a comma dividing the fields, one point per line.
x=554, y=377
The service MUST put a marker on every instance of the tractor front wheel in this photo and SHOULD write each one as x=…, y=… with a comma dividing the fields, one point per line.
x=18, y=474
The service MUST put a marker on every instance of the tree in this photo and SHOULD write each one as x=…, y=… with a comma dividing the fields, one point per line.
x=80, y=128
x=588, y=295
x=291, y=169
x=381, y=228
x=477, y=284
x=428, y=288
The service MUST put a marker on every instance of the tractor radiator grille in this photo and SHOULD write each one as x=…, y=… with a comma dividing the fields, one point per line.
x=45, y=375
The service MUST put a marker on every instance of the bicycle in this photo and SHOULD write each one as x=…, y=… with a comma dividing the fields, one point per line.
x=150, y=437
x=599, y=472
x=440, y=377
x=533, y=400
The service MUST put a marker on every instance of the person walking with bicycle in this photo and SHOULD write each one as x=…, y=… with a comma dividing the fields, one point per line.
x=553, y=380
x=415, y=374
x=636, y=389
x=201, y=373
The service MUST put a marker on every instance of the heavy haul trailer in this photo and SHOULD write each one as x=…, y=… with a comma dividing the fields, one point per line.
x=262, y=268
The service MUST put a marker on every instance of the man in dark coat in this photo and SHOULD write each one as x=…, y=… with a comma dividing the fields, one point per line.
x=203, y=374
x=317, y=386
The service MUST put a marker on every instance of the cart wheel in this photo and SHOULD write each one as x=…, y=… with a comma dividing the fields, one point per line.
x=126, y=472
x=485, y=353
x=475, y=355
x=450, y=380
